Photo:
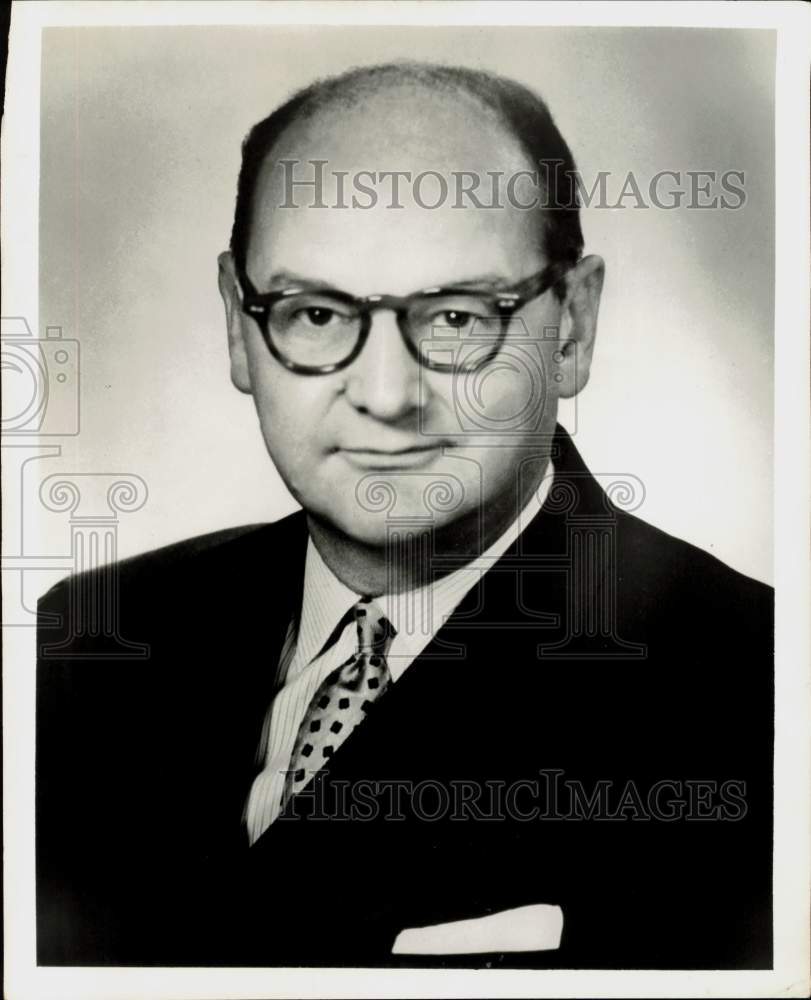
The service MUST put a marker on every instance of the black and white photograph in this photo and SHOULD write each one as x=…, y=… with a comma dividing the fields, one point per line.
x=405, y=485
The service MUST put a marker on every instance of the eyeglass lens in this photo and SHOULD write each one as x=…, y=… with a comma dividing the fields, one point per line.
x=315, y=329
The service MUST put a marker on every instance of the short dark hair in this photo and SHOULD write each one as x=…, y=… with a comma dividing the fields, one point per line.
x=521, y=111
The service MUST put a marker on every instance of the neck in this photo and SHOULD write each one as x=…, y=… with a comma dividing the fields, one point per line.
x=409, y=560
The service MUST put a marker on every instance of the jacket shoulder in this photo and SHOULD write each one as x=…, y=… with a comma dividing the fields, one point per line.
x=643, y=543
x=670, y=576
x=186, y=561
x=650, y=566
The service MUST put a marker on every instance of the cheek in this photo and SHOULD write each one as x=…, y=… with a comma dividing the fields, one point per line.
x=509, y=392
x=290, y=410
x=519, y=378
x=514, y=394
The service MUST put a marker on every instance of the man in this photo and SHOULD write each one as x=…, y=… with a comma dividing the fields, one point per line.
x=462, y=709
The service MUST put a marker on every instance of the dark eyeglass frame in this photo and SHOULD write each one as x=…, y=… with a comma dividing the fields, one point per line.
x=503, y=303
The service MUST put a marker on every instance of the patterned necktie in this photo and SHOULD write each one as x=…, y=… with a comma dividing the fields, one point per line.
x=343, y=698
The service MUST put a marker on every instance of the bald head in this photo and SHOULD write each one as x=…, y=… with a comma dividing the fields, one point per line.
x=423, y=115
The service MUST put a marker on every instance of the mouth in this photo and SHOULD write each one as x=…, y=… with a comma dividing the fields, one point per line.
x=392, y=459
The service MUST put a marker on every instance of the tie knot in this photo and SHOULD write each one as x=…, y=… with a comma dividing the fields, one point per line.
x=375, y=631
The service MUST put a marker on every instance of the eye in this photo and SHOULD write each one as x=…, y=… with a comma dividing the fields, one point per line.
x=462, y=312
x=316, y=315
x=455, y=318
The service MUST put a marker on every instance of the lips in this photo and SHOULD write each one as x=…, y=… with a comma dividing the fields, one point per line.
x=392, y=451
x=391, y=458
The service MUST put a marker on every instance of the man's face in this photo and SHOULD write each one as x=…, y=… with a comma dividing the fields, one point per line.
x=385, y=437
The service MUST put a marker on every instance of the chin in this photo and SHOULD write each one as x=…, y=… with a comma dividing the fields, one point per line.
x=403, y=528
x=353, y=526
x=372, y=530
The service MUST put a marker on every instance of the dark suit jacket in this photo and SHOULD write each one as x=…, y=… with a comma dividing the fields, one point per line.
x=599, y=648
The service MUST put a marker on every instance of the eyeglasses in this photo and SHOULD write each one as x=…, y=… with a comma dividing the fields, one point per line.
x=316, y=331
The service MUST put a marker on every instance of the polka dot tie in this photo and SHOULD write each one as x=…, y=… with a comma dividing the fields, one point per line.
x=344, y=697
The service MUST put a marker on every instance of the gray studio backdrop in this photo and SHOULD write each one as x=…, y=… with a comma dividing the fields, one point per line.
x=141, y=129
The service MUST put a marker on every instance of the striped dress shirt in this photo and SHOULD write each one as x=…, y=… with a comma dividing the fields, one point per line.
x=308, y=656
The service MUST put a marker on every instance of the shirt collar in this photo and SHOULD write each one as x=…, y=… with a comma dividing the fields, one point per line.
x=326, y=600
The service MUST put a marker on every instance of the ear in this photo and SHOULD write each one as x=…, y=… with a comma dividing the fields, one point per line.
x=584, y=286
x=229, y=290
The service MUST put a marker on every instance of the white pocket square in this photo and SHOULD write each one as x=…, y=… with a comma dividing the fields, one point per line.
x=526, y=928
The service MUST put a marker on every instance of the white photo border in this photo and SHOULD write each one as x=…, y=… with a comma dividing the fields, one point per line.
x=792, y=873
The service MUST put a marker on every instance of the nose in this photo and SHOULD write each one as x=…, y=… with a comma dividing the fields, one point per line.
x=384, y=381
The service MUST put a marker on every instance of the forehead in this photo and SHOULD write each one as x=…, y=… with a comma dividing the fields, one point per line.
x=419, y=236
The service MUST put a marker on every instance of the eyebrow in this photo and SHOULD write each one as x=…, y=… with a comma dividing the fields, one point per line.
x=284, y=277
